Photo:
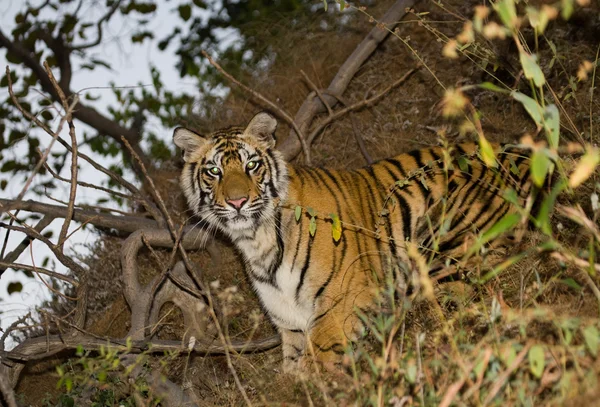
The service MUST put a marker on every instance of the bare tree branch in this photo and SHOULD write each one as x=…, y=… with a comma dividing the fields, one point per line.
x=7, y=392
x=43, y=347
x=14, y=255
x=17, y=266
x=126, y=224
x=69, y=118
x=290, y=147
x=102, y=20
x=54, y=135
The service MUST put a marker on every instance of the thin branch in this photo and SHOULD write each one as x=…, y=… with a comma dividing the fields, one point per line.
x=54, y=135
x=126, y=224
x=18, y=266
x=358, y=105
x=91, y=186
x=502, y=378
x=11, y=328
x=14, y=255
x=104, y=19
x=317, y=91
x=73, y=190
x=276, y=109
x=193, y=271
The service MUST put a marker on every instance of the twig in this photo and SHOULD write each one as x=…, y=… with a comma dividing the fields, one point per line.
x=583, y=268
x=104, y=18
x=315, y=132
x=505, y=375
x=14, y=255
x=91, y=186
x=420, y=374
x=152, y=210
x=359, y=139
x=69, y=117
x=11, y=328
x=17, y=266
x=317, y=91
x=280, y=112
x=54, y=135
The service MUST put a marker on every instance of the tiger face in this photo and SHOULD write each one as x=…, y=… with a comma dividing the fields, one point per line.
x=233, y=179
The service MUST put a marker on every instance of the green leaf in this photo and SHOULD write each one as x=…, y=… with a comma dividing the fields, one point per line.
x=297, y=212
x=532, y=107
x=463, y=163
x=492, y=87
x=325, y=4
x=311, y=212
x=567, y=9
x=507, y=12
x=47, y=115
x=569, y=282
x=506, y=223
x=336, y=228
x=552, y=125
x=531, y=69
x=185, y=11
x=487, y=152
x=543, y=218
x=591, y=336
x=342, y=5
x=312, y=227
x=14, y=287
x=540, y=165
x=537, y=360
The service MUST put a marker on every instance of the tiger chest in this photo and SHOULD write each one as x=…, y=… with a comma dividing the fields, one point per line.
x=280, y=301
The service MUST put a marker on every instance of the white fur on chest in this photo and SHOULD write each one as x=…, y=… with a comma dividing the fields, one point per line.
x=280, y=301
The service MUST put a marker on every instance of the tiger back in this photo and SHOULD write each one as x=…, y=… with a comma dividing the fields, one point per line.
x=280, y=218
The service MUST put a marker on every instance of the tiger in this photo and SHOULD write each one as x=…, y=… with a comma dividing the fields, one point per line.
x=280, y=216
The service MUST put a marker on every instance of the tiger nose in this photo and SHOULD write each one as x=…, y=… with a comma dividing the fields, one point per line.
x=237, y=203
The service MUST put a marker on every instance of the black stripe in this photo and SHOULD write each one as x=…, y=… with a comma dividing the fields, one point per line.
x=280, y=247
x=305, y=267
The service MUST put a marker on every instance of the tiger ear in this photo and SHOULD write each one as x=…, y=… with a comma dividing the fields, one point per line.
x=188, y=141
x=262, y=127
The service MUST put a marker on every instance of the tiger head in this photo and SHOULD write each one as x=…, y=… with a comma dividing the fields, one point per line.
x=233, y=179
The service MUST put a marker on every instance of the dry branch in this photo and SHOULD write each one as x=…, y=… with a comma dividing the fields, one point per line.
x=14, y=255
x=290, y=147
x=46, y=346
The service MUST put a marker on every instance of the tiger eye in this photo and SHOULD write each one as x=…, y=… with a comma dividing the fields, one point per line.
x=215, y=170
x=251, y=165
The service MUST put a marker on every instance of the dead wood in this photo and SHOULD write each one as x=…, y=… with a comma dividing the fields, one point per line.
x=291, y=147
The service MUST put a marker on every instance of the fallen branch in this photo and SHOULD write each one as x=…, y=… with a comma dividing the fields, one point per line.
x=290, y=147
x=47, y=346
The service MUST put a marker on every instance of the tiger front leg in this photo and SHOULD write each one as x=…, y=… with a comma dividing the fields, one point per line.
x=293, y=344
x=328, y=340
